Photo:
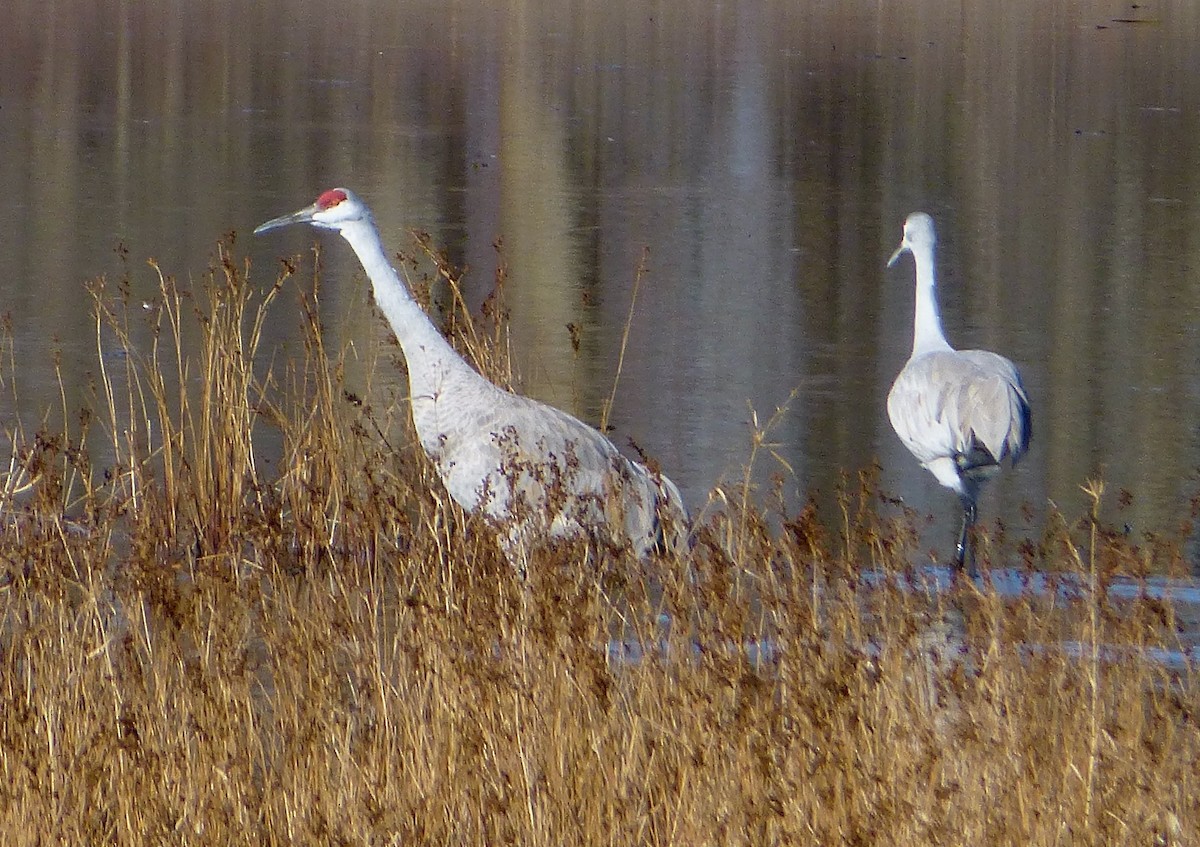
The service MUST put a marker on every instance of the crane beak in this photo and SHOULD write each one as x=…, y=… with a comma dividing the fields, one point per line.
x=891, y=261
x=303, y=216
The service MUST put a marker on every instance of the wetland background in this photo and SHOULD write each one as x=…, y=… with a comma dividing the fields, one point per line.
x=765, y=154
x=234, y=608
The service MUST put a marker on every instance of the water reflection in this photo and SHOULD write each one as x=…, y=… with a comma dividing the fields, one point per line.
x=765, y=155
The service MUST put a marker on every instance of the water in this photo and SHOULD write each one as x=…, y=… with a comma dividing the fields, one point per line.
x=765, y=154
x=1011, y=585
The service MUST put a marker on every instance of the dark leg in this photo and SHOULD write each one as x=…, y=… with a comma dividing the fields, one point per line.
x=964, y=551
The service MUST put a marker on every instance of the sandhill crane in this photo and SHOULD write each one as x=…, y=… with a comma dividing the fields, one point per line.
x=960, y=412
x=533, y=470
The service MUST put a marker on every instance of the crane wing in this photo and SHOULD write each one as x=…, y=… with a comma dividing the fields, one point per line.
x=950, y=403
x=999, y=406
x=523, y=462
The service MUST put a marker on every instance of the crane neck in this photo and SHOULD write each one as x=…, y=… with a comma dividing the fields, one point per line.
x=928, y=336
x=427, y=352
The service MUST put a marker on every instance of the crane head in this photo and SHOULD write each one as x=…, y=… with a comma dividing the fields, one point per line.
x=333, y=209
x=918, y=233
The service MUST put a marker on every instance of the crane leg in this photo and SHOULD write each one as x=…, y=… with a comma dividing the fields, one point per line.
x=964, y=551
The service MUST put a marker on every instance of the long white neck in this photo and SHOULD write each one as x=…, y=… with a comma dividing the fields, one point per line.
x=927, y=321
x=429, y=356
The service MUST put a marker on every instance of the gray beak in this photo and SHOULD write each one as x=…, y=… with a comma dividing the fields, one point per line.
x=891, y=261
x=305, y=215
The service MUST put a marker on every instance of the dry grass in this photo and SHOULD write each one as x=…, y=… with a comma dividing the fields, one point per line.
x=237, y=610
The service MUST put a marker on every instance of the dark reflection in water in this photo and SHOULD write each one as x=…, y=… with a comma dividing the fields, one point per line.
x=765, y=154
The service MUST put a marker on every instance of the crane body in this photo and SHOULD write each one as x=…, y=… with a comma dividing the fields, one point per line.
x=961, y=413
x=534, y=471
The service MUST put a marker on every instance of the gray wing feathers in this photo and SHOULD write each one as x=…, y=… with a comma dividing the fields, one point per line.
x=951, y=403
x=549, y=471
x=1003, y=421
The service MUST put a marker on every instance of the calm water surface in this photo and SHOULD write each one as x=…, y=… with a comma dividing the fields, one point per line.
x=764, y=153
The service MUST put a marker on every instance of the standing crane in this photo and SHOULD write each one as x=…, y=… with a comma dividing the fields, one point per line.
x=960, y=412
x=533, y=470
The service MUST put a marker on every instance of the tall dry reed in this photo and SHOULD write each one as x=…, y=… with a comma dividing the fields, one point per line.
x=239, y=609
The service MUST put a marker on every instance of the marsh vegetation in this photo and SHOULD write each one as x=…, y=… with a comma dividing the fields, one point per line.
x=238, y=609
